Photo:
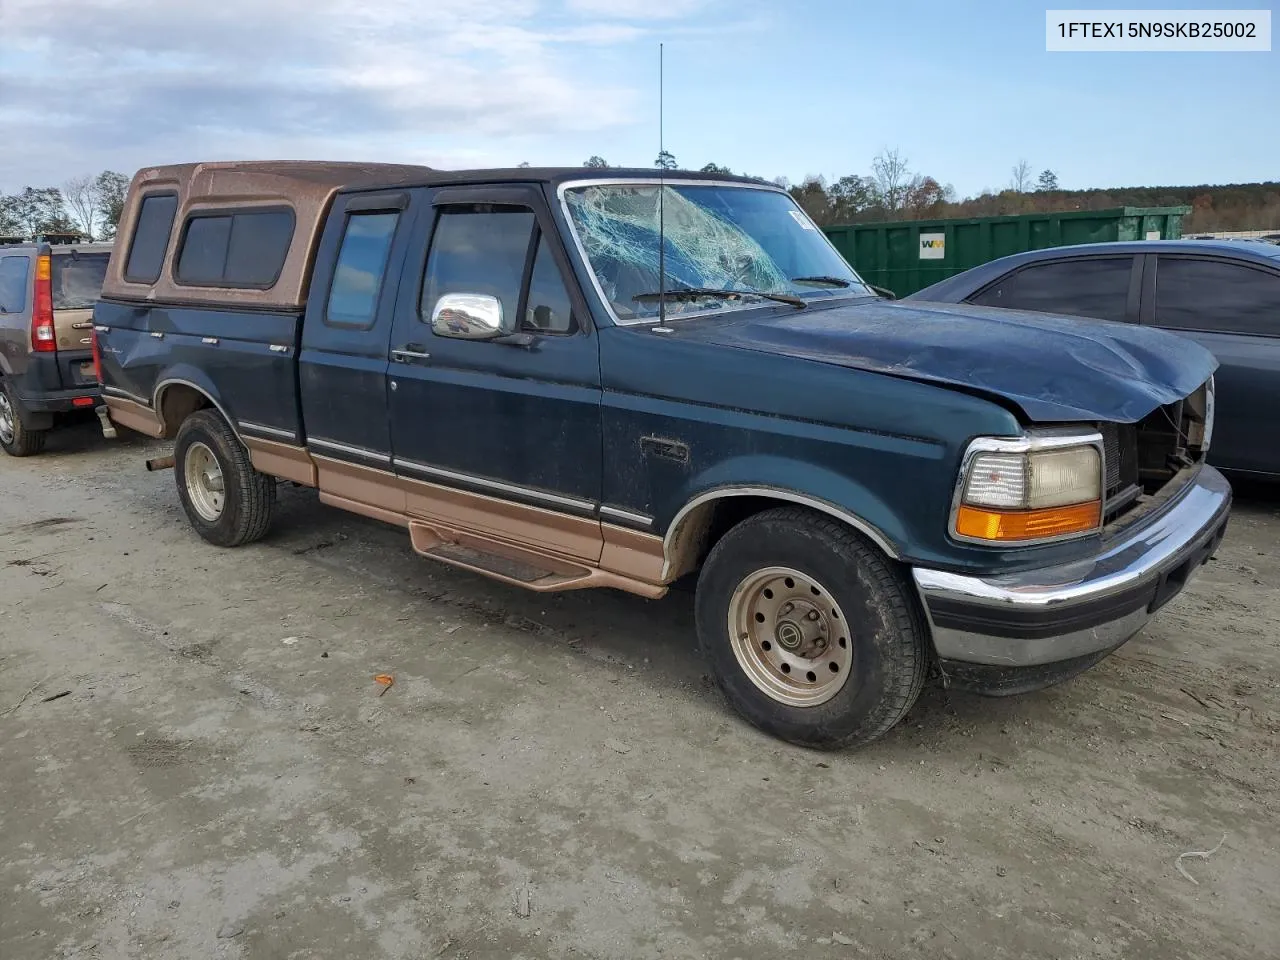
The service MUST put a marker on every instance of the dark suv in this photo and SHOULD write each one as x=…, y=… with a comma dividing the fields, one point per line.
x=47, y=293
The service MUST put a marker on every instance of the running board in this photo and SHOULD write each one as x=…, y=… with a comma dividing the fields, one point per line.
x=520, y=566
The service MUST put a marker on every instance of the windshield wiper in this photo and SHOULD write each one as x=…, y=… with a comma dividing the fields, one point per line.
x=834, y=281
x=697, y=293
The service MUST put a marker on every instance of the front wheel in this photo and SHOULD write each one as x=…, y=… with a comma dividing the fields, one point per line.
x=225, y=498
x=811, y=632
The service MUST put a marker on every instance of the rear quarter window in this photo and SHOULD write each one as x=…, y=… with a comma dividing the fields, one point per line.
x=245, y=249
x=77, y=280
x=151, y=238
x=360, y=270
x=13, y=284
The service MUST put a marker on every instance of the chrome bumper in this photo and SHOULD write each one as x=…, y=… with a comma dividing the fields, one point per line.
x=1072, y=610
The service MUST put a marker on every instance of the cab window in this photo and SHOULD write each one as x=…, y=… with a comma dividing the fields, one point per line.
x=488, y=249
x=360, y=270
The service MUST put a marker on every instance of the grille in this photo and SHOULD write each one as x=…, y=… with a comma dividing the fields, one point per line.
x=1120, y=447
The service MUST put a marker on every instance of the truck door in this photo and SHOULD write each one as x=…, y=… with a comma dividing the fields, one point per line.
x=343, y=362
x=514, y=419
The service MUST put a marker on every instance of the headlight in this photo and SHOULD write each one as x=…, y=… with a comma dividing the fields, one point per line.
x=1029, y=489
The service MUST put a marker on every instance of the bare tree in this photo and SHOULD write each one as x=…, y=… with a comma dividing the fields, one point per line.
x=1021, y=182
x=82, y=200
x=891, y=174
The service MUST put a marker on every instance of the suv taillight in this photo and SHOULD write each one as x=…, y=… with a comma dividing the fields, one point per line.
x=43, y=337
x=97, y=355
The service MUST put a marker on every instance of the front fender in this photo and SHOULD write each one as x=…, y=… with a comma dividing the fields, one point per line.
x=790, y=481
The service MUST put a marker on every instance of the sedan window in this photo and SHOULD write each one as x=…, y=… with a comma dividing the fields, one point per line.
x=1215, y=295
x=1091, y=287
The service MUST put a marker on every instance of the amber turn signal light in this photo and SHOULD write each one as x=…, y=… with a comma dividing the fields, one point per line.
x=1013, y=525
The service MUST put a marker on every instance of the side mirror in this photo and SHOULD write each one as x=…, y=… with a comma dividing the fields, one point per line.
x=469, y=316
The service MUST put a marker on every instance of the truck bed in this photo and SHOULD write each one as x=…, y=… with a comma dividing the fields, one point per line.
x=246, y=362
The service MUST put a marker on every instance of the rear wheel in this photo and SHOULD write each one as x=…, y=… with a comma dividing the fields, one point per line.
x=812, y=633
x=227, y=501
x=15, y=438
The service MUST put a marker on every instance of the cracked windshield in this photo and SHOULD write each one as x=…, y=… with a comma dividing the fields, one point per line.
x=726, y=248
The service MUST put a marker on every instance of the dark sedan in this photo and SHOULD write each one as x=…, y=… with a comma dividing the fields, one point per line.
x=1222, y=294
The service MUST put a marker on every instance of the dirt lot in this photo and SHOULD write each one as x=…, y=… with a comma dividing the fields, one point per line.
x=553, y=777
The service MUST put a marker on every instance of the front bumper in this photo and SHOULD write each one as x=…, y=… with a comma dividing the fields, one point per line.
x=1034, y=621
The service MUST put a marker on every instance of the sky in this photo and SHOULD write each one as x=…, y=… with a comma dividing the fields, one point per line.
x=809, y=87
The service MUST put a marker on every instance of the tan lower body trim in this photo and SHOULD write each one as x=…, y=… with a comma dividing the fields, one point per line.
x=364, y=509
x=632, y=553
x=135, y=416
x=375, y=488
x=532, y=547
x=282, y=460
x=558, y=533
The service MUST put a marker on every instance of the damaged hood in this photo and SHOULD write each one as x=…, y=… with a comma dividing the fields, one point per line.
x=1053, y=368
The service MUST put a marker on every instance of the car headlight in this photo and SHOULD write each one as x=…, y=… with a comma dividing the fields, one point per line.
x=1029, y=489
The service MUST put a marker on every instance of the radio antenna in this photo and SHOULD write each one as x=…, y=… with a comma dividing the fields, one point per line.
x=662, y=220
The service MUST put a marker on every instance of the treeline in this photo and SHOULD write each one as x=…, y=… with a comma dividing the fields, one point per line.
x=893, y=191
x=89, y=206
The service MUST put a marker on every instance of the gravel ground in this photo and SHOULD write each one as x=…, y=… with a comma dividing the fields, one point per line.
x=553, y=776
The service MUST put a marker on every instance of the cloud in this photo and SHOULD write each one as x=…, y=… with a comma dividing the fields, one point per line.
x=638, y=9
x=91, y=83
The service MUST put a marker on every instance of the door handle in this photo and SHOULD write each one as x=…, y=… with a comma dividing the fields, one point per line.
x=409, y=353
x=666, y=449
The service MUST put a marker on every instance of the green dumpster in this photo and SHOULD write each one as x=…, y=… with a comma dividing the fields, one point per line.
x=908, y=255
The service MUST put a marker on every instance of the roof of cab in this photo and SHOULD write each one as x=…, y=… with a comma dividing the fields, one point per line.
x=555, y=176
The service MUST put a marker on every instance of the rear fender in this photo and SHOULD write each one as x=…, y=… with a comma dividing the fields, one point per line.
x=183, y=389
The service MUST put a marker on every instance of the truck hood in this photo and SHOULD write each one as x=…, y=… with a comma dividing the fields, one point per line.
x=1053, y=368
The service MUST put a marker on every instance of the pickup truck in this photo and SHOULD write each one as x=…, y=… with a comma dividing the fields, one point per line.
x=564, y=378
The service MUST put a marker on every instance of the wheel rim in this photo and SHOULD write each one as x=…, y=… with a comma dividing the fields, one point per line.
x=790, y=636
x=205, y=487
x=6, y=419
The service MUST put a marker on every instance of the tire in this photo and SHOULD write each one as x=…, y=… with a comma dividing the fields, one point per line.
x=207, y=454
x=16, y=439
x=842, y=651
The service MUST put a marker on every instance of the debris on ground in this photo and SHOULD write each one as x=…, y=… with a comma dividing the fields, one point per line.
x=23, y=698
x=617, y=746
x=1197, y=855
x=524, y=903
x=386, y=680
x=229, y=931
